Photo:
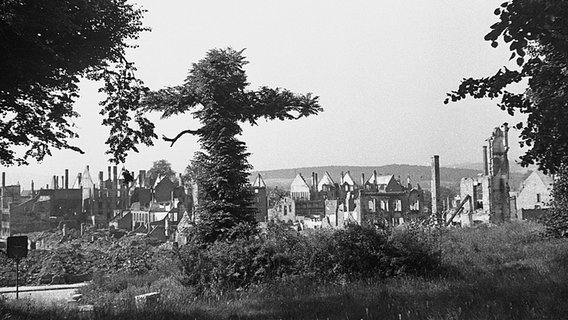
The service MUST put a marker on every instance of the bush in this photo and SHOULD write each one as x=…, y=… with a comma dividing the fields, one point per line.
x=556, y=221
x=354, y=253
x=414, y=250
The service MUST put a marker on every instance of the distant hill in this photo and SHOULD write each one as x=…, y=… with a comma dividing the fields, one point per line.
x=449, y=177
x=513, y=166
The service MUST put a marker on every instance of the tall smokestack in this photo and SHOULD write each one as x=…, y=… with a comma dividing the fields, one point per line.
x=109, y=173
x=66, y=178
x=317, y=181
x=436, y=203
x=114, y=177
x=32, y=187
x=375, y=177
x=485, y=162
x=363, y=179
x=314, y=182
x=3, y=179
x=101, y=180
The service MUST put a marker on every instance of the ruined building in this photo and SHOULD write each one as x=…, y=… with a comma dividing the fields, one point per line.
x=43, y=209
x=325, y=203
x=486, y=198
x=154, y=210
x=93, y=202
x=260, y=199
x=9, y=195
x=534, y=196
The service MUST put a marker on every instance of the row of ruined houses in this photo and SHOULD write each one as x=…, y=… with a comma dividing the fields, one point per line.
x=385, y=200
x=164, y=209
x=114, y=203
x=158, y=210
x=328, y=204
x=133, y=205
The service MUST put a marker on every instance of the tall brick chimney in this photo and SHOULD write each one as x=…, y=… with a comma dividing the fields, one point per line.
x=101, y=180
x=436, y=201
x=3, y=179
x=314, y=182
x=114, y=177
x=317, y=181
x=66, y=178
x=376, y=182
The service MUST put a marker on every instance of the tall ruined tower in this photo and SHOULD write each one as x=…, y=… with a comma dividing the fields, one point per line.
x=500, y=210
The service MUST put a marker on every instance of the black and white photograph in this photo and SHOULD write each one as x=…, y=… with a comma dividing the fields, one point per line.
x=249, y=160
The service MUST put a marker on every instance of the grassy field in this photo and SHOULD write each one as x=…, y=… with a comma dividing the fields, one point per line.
x=503, y=272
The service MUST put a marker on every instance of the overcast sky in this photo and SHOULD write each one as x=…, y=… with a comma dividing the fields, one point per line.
x=380, y=68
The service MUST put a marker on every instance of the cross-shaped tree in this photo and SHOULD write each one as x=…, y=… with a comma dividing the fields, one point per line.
x=215, y=92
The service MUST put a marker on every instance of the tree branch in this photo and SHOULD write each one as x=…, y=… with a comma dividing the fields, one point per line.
x=174, y=139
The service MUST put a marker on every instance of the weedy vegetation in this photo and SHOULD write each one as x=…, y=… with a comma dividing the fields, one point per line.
x=489, y=272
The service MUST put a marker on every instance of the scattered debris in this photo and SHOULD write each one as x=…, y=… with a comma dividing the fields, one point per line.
x=74, y=257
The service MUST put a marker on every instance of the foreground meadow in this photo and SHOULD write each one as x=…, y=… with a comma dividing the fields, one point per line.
x=499, y=272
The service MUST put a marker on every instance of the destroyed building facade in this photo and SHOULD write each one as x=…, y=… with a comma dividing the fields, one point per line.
x=327, y=204
x=486, y=198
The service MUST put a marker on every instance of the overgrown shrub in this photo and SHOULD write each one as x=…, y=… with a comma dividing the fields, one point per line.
x=414, y=250
x=556, y=221
x=350, y=254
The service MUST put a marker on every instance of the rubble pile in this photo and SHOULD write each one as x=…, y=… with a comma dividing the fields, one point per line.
x=71, y=257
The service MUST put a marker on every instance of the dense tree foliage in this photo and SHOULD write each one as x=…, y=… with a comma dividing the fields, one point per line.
x=215, y=92
x=160, y=169
x=557, y=220
x=46, y=47
x=537, y=34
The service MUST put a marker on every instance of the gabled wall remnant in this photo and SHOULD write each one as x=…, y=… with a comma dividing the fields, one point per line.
x=381, y=200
